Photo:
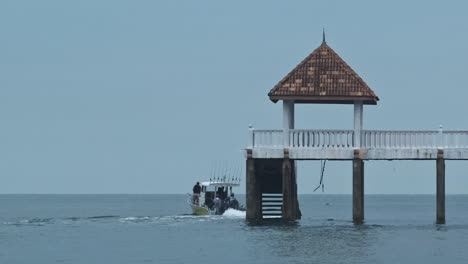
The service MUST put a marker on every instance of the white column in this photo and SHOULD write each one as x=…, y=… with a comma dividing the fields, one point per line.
x=288, y=120
x=441, y=137
x=251, y=137
x=358, y=113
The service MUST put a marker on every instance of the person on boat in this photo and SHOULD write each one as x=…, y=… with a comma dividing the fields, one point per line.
x=218, y=205
x=233, y=203
x=196, y=193
x=225, y=204
x=220, y=192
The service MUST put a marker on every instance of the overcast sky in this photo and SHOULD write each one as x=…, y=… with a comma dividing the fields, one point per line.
x=148, y=96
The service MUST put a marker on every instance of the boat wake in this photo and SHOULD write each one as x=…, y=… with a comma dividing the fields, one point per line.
x=65, y=220
x=234, y=213
x=174, y=219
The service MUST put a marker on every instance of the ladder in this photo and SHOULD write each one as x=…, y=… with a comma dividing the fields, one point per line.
x=272, y=205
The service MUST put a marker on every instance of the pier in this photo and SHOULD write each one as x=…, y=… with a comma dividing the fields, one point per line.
x=324, y=78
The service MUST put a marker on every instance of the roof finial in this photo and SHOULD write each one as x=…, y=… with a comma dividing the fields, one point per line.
x=323, y=41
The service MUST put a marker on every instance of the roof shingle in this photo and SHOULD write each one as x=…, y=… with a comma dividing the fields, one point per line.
x=323, y=77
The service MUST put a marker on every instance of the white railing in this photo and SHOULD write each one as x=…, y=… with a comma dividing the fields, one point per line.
x=400, y=139
x=455, y=139
x=302, y=138
x=414, y=139
x=370, y=139
x=321, y=138
x=267, y=138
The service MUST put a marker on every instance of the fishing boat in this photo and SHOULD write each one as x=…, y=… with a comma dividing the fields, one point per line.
x=216, y=196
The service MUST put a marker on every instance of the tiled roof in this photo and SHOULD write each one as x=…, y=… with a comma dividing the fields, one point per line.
x=323, y=77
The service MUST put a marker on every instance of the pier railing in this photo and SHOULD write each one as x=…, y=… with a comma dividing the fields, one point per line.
x=320, y=138
x=370, y=139
x=400, y=139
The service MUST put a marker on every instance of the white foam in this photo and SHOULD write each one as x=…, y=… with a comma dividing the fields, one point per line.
x=125, y=219
x=134, y=219
x=234, y=213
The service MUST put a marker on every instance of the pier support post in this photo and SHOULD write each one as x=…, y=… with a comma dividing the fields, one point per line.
x=288, y=212
x=440, y=196
x=253, y=194
x=358, y=191
x=296, y=210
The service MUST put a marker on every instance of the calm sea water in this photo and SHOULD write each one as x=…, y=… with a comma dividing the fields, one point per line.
x=158, y=229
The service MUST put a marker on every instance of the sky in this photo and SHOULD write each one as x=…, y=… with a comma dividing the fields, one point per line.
x=145, y=96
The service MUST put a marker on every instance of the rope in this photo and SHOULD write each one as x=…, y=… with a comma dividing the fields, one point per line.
x=322, y=171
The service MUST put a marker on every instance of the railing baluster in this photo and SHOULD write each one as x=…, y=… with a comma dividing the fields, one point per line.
x=319, y=139
x=376, y=144
x=328, y=138
x=302, y=139
x=376, y=141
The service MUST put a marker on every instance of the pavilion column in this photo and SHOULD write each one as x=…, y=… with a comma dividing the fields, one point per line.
x=290, y=202
x=358, y=116
x=288, y=120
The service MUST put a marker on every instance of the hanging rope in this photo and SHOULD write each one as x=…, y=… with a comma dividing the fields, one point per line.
x=322, y=170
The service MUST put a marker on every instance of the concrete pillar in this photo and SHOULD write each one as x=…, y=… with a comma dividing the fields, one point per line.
x=253, y=195
x=296, y=210
x=288, y=199
x=358, y=117
x=440, y=196
x=288, y=120
x=358, y=191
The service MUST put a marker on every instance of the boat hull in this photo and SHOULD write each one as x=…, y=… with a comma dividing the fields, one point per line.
x=198, y=210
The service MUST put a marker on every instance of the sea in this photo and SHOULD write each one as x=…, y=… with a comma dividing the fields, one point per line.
x=160, y=229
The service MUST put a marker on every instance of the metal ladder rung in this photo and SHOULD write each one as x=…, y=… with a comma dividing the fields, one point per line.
x=272, y=204
x=271, y=210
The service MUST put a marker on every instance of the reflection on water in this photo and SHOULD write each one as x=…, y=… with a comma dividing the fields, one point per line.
x=316, y=242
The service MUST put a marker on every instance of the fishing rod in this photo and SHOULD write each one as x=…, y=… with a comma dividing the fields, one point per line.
x=237, y=171
x=228, y=172
x=212, y=169
x=216, y=171
x=242, y=170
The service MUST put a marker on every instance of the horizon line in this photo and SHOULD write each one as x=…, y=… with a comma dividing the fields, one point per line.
x=237, y=193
